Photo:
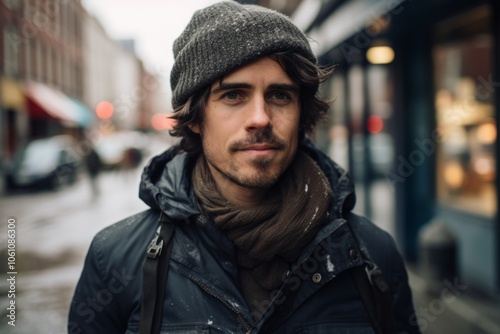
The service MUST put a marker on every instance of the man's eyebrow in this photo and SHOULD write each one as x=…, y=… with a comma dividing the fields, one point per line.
x=228, y=86
x=284, y=86
x=277, y=86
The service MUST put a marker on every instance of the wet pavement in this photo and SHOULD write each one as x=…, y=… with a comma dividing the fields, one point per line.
x=451, y=306
x=53, y=232
x=444, y=307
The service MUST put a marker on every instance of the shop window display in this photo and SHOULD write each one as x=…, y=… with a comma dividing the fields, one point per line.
x=466, y=128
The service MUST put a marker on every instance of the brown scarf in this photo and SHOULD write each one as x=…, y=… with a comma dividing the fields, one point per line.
x=270, y=236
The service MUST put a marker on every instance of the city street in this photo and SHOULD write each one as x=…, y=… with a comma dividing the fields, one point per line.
x=53, y=233
x=410, y=108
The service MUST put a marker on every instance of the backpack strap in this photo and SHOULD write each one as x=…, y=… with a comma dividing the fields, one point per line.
x=155, y=272
x=376, y=297
x=374, y=291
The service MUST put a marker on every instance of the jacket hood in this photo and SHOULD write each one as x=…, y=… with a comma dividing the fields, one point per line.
x=166, y=183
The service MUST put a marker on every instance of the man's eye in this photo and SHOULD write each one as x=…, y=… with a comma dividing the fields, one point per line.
x=281, y=96
x=231, y=95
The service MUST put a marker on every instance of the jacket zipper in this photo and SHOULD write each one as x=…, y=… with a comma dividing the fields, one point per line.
x=203, y=286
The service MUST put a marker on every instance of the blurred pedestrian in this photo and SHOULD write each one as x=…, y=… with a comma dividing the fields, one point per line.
x=264, y=240
x=132, y=157
x=93, y=164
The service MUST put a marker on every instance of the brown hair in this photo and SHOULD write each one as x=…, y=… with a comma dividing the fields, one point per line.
x=300, y=69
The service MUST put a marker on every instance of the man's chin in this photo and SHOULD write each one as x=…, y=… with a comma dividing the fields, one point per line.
x=254, y=178
x=263, y=183
x=261, y=164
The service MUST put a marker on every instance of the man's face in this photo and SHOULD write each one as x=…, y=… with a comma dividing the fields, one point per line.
x=251, y=125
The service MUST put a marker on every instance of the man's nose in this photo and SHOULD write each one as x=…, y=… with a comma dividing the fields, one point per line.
x=259, y=115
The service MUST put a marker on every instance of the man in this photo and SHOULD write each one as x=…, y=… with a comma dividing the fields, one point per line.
x=264, y=240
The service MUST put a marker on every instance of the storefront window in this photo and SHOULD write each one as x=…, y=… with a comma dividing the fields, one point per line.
x=380, y=140
x=466, y=126
x=338, y=132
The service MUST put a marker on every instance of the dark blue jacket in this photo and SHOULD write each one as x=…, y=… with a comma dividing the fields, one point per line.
x=202, y=293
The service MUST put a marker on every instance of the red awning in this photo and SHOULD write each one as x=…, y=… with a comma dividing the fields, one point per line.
x=46, y=102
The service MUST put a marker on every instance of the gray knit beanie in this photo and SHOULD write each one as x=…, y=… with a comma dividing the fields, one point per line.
x=225, y=36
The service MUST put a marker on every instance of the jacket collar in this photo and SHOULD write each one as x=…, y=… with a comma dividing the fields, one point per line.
x=166, y=185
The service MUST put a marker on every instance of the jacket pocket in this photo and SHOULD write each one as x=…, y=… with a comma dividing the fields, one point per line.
x=338, y=328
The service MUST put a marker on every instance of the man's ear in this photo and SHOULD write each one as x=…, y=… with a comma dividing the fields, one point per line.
x=195, y=128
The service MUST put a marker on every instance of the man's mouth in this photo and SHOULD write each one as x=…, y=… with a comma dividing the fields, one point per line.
x=259, y=150
x=259, y=147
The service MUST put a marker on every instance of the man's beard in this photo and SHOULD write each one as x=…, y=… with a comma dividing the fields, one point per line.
x=261, y=179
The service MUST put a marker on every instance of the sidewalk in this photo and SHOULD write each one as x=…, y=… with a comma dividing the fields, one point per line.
x=453, y=308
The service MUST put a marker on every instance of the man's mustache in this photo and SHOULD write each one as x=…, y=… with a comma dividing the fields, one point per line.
x=261, y=137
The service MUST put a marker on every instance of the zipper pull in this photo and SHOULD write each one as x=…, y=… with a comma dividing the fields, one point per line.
x=155, y=247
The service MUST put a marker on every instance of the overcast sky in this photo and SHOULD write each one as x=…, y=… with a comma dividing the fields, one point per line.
x=153, y=24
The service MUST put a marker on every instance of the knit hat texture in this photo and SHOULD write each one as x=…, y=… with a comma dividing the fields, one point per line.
x=225, y=36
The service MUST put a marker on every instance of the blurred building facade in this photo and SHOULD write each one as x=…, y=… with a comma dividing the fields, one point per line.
x=416, y=108
x=113, y=73
x=57, y=63
x=99, y=67
x=129, y=88
x=41, y=70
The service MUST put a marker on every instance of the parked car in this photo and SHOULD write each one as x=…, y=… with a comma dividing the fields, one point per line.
x=122, y=150
x=48, y=163
x=111, y=150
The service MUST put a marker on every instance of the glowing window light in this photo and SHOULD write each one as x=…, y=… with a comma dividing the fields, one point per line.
x=487, y=133
x=454, y=175
x=162, y=122
x=380, y=55
x=374, y=124
x=484, y=166
x=104, y=110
